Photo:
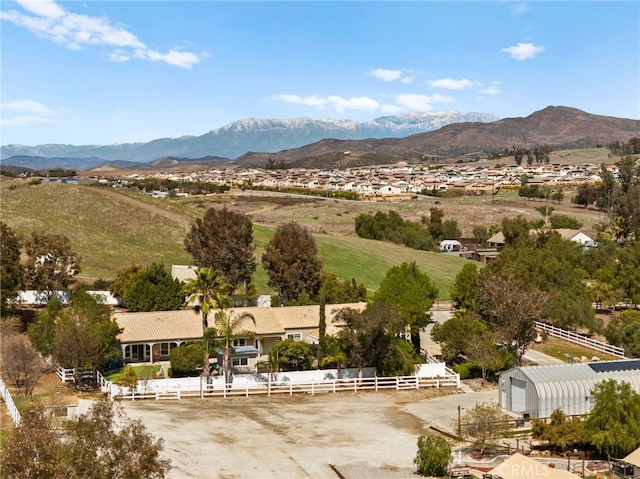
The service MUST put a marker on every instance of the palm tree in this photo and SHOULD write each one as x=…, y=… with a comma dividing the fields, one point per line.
x=229, y=328
x=207, y=291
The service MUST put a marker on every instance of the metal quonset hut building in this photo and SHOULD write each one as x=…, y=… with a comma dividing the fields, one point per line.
x=535, y=391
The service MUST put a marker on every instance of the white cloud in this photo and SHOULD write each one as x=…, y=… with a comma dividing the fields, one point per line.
x=385, y=74
x=451, y=84
x=523, y=51
x=30, y=113
x=491, y=90
x=312, y=100
x=415, y=102
x=48, y=20
x=28, y=106
x=361, y=103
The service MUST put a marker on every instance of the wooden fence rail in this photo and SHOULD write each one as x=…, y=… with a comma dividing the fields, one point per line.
x=581, y=340
x=399, y=383
x=8, y=401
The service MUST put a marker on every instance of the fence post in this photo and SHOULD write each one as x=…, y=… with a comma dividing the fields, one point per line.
x=313, y=388
x=417, y=382
x=290, y=388
x=178, y=391
x=376, y=382
x=269, y=386
x=397, y=383
x=334, y=385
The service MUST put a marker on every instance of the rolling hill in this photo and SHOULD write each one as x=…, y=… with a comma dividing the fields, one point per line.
x=112, y=229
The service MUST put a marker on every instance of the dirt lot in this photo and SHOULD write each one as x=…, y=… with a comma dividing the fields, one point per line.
x=363, y=435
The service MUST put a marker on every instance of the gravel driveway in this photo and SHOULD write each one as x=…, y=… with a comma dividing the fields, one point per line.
x=361, y=434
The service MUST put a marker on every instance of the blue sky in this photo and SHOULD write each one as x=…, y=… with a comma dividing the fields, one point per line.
x=96, y=72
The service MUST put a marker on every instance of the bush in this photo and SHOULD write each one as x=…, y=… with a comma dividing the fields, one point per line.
x=564, y=221
x=185, y=360
x=434, y=454
x=468, y=370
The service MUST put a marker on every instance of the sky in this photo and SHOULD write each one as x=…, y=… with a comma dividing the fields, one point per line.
x=106, y=72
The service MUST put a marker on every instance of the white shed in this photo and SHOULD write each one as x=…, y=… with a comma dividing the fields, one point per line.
x=536, y=391
x=449, y=246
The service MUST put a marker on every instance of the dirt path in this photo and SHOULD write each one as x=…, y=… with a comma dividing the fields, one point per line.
x=128, y=201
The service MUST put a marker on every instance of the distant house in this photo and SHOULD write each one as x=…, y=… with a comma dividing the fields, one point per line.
x=496, y=240
x=576, y=236
x=150, y=336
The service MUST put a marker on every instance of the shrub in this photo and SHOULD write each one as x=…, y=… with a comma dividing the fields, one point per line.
x=434, y=454
x=185, y=360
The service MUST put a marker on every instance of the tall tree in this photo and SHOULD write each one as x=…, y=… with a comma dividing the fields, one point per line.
x=512, y=307
x=84, y=335
x=20, y=364
x=229, y=326
x=613, y=425
x=207, y=291
x=153, y=289
x=123, y=276
x=411, y=291
x=52, y=263
x=11, y=269
x=464, y=291
x=292, y=262
x=223, y=241
x=484, y=424
x=368, y=338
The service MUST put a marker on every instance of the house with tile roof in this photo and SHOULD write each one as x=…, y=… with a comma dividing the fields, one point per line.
x=149, y=336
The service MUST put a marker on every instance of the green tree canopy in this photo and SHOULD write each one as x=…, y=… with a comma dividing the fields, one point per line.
x=613, y=425
x=292, y=355
x=412, y=293
x=84, y=335
x=292, y=262
x=464, y=291
x=223, y=241
x=11, y=269
x=433, y=456
x=153, y=289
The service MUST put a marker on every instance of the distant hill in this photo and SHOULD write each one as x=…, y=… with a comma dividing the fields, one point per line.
x=561, y=127
x=252, y=134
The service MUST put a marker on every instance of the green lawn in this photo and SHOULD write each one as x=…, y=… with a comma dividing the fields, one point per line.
x=143, y=371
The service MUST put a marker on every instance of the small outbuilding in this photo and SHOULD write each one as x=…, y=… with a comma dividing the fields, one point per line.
x=536, y=391
x=450, y=246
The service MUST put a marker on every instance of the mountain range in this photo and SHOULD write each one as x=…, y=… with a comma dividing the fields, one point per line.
x=453, y=135
x=240, y=137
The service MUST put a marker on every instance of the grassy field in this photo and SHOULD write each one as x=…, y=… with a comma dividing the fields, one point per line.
x=112, y=229
x=565, y=350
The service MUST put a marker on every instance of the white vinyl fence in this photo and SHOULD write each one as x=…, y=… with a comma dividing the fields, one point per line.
x=581, y=340
x=295, y=382
x=8, y=401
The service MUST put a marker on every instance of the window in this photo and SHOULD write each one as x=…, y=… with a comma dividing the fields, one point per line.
x=138, y=352
x=240, y=342
x=164, y=349
x=239, y=361
x=295, y=336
